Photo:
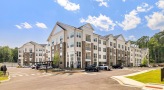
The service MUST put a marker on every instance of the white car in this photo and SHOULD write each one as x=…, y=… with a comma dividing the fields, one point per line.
x=103, y=67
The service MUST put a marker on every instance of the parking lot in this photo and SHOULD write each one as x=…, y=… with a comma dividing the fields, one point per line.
x=31, y=79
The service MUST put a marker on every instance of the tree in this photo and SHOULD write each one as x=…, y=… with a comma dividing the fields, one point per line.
x=56, y=59
x=15, y=54
x=5, y=54
x=8, y=54
x=144, y=61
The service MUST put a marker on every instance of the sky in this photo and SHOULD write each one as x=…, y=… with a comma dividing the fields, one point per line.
x=22, y=21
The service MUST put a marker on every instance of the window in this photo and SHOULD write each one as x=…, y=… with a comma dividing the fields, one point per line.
x=36, y=54
x=95, y=47
x=61, y=38
x=110, y=43
x=114, y=45
x=78, y=44
x=110, y=50
x=78, y=34
x=52, y=42
x=99, y=41
x=72, y=44
x=67, y=45
x=95, y=55
x=104, y=49
x=99, y=56
x=125, y=47
x=72, y=35
x=78, y=54
x=128, y=48
x=40, y=54
x=122, y=46
x=30, y=50
x=104, y=56
x=118, y=45
x=99, y=48
x=95, y=39
x=36, y=49
x=104, y=42
x=40, y=49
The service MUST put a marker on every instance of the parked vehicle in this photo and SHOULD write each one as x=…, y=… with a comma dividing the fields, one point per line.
x=103, y=67
x=117, y=67
x=33, y=66
x=92, y=68
x=38, y=66
x=42, y=67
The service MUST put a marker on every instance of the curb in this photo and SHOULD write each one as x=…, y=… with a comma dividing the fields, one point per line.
x=124, y=84
x=130, y=85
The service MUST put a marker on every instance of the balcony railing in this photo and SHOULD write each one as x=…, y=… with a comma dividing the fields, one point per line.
x=87, y=48
x=88, y=57
x=87, y=39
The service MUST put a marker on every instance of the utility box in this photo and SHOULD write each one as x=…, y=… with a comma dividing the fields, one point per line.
x=162, y=74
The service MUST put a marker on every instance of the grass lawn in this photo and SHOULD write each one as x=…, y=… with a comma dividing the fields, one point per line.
x=148, y=77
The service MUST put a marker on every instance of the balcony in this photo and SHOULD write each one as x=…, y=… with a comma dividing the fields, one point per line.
x=88, y=57
x=89, y=40
x=87, y=48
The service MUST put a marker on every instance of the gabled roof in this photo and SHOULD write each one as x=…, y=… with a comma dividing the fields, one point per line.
x=127, y=41
x=108, y=35
x=64, y=26
x=61, y=25
x=34, y=43
x=87, y=25
x=43, y=45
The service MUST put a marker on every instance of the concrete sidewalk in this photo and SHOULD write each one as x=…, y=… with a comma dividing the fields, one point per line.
x=129, y=82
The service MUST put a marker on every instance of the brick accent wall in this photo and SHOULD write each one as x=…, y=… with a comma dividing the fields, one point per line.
x=63, y=57
x=92, y=53
x=83, y=54
x=108, y=56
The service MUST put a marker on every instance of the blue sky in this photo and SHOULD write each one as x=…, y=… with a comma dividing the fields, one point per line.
x=22, y=21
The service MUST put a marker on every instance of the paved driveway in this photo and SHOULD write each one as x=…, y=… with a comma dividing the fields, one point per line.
x=28, y=79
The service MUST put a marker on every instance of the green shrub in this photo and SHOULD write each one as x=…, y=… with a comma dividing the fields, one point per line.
x=1, y=73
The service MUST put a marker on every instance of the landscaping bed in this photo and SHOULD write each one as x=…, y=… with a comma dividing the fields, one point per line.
x=2, y=77
x=153, y=76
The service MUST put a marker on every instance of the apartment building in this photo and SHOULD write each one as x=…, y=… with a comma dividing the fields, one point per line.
x=138, y=54
x=79, y=47
x=32, y=53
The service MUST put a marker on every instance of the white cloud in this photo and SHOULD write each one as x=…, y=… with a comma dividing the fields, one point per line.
x=131, y=37
x=103, y=2
x=18, y=26
x=144, y=7
x=155, y=21
x=102, y=22
x=26, y=25
x=68, y=5
x=160, y=4
x=123, y=0
x=131, y=21
x=40, y=25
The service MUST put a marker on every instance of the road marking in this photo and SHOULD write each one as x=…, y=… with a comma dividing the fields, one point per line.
x=20, y=75
x=33, y=74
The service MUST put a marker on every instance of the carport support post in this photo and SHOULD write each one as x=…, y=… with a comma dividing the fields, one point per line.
x=162, y=74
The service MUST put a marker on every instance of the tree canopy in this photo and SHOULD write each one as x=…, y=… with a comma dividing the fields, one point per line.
x=155, y=45
x=8, y=54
